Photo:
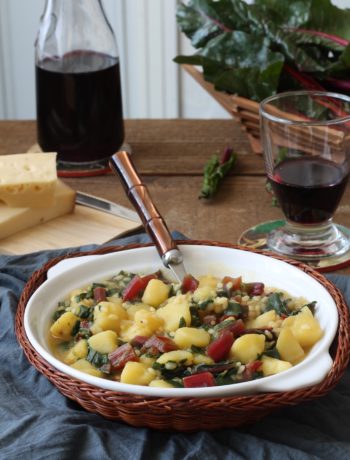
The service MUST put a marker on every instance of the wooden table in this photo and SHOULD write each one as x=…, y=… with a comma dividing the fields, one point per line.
x=170, y=156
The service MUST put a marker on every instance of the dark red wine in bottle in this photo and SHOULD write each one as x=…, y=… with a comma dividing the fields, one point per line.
x=308, y=189
x=79, y=106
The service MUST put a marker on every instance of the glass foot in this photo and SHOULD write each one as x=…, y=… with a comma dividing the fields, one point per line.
x=303, y=243
x=96, y=168
x=257, y=238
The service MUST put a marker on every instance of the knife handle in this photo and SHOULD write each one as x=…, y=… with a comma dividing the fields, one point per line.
x=140, y=198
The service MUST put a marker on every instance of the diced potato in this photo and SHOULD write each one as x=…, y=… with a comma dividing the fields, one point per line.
x=148, y=319
x=288, y=322
x=125, y=325
x=208, y=280
x=63, y=327
x=78, y=351
x=84, y=366
x=159, y=383
x=104, y=342
x=288, y=347
x=114, y=299
x=185, y=337
x=201, y=294
x=136, y=373
x=271, y=366
x=202, y=359
x=247, y=347
x=107, y=316
x=133, y=308
x=306, y=329
x=264, y=319
x=156, y=293
x=176, y=356
x=177, y=308
x=148, y=360
x=145, y=323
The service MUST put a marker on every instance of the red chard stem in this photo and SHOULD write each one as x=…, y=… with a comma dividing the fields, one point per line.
x=226, y=155
x=333, y=38
x=305, y=80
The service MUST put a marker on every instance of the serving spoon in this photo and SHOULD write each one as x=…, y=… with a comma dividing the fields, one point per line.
x=139, y=196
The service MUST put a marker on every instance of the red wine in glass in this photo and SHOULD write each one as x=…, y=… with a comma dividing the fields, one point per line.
x=79, y=106
x=308, y=188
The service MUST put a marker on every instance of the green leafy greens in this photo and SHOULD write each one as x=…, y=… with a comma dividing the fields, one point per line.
x=259, y=49
x=215, y=170
x=275, y=302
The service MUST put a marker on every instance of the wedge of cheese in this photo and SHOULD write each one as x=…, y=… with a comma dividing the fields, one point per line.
x=13, y=220
x=28, y=179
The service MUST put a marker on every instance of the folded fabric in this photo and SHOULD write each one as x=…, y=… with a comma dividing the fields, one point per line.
x=38, y=422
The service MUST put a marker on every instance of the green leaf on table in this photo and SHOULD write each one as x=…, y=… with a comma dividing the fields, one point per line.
x=214, y=171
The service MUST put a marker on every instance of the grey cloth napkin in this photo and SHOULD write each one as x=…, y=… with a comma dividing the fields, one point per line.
x=38, y=422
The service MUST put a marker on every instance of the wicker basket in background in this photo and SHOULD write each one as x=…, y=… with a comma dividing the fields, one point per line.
x=243, y=110
x=185, y=414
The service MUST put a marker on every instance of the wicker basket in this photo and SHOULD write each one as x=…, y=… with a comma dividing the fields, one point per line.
x=185, y=414
x=244, y=110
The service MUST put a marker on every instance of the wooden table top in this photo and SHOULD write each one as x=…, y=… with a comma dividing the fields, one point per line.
x=170, y=156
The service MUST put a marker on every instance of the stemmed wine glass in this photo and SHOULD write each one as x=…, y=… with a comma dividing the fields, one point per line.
x=306, y=143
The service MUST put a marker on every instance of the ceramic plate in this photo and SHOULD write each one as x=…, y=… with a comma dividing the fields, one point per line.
x=199, y=260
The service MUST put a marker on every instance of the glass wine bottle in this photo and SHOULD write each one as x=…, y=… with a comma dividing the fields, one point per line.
x=78, y=88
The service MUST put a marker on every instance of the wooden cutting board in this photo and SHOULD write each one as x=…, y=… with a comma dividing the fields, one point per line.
x=83, y=226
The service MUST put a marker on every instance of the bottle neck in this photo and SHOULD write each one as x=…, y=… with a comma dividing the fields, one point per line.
x=74, y=25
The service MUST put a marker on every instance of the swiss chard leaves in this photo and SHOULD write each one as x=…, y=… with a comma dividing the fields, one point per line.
x=243, y=48
x=329, y=18
x=214, y=171
x=96, y=358
x=233, y=308
x=238, y=62
x=196, y=26
x=275, y=302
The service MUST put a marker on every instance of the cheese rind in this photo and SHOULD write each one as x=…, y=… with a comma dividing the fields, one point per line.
x=13, y=220
x=28, y=179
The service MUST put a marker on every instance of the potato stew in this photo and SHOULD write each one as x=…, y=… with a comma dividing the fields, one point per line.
x=146, y=330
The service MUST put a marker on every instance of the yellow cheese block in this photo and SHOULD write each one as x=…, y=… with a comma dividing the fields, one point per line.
x=13, y=220
x=28, y=179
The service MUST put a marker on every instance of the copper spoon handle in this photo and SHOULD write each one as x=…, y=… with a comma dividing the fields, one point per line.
x=140, y=198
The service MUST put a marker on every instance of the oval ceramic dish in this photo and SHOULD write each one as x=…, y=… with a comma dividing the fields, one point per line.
x=199, y=260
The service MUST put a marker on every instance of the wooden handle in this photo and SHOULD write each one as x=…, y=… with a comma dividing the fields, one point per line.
x=140, y=198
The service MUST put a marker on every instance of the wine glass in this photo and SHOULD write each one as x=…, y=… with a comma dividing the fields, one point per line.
x=306, y=143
